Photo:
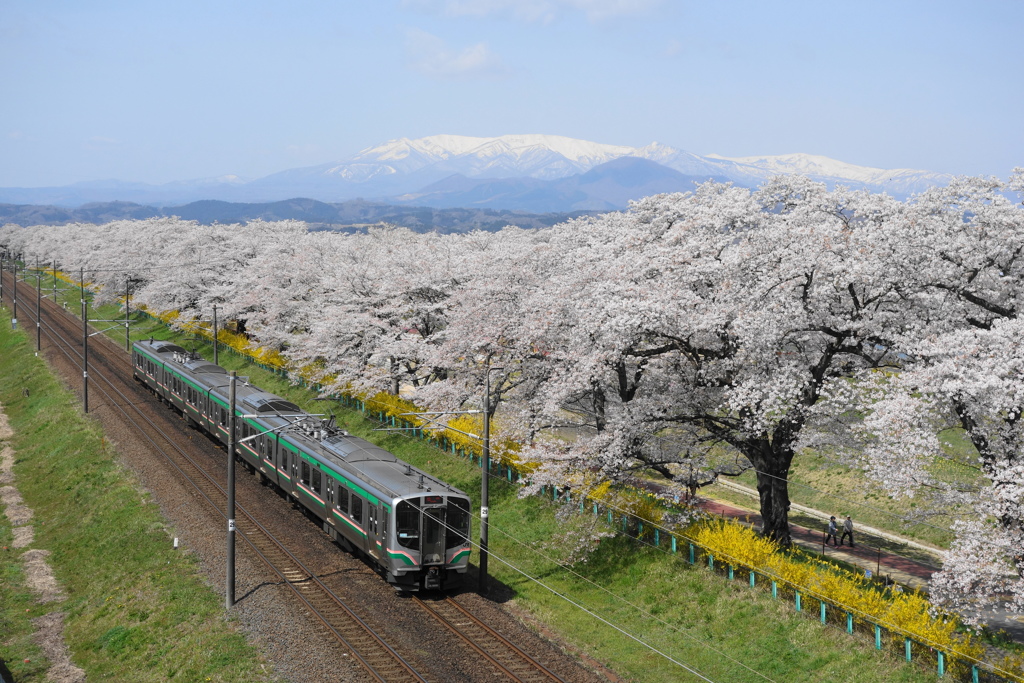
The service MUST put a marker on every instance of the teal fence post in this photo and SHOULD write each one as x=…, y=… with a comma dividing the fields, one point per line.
x=691, y=554
x=906, y=648
x=610, y=519
x=798, y=604
x=657, y=538
x=595, y=509
x=730, y=572
x=673, y=545
x=640, y=530
x=711, y=561
x=775, y=589
x=942, y=664
x=823, y=612
x=753, y=578
x=974, y=673
x=878, y=637
x=849, y=622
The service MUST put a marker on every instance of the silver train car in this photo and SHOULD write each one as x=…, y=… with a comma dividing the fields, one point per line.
x=413, y=528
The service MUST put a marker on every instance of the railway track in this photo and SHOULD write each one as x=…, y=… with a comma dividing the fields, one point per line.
x=379, y=660
x=488, y=643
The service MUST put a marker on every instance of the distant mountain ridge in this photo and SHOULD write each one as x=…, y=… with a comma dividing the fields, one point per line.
x=542, y=173
x=355, y=215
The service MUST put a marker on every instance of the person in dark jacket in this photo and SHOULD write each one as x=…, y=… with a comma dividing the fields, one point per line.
x=832, y=529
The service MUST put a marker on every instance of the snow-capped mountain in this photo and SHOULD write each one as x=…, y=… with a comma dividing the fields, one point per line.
x=504, y=172
x=533, y=156
x=552, y=157
x=898, y=181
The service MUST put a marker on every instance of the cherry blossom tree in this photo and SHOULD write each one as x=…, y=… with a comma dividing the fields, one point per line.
x=713, y=319
x=963, y=279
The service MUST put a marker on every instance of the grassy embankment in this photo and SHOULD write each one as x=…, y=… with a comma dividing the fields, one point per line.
x=682, y=611
x=136, y=609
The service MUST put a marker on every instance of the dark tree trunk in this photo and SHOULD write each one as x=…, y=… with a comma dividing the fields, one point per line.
x=773, y=490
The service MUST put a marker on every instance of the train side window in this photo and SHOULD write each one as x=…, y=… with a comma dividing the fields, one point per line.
x=357, y=509
x=343, y=499
x=305, y=473
x=407, y=525
x=316, y=480
x=457, y=531
x=330, y=491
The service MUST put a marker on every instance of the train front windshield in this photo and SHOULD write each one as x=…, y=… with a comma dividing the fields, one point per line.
x=429, y=525
x=457, y=531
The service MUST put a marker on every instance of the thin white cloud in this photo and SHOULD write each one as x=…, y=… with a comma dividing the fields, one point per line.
x=97, y=142
x=542, y=11
x=673, y=49
x=432, y=57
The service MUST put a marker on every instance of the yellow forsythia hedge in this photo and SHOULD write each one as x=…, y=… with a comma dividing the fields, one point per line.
x=905, y=614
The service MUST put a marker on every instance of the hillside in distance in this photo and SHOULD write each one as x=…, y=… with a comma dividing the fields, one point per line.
x=356, y=215
x=532, y=173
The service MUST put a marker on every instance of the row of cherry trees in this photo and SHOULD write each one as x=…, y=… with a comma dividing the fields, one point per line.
x=693, y=334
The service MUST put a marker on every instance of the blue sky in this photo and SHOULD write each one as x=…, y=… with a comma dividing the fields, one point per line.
x=162, y=91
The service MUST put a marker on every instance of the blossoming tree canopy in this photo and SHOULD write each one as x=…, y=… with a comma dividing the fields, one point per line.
x=692, y=336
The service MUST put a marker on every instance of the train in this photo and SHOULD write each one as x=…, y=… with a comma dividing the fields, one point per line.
x=413, y=528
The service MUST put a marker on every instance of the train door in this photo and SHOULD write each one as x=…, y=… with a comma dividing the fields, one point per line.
x=293, y=460
x=433, y=530
x=371, y=531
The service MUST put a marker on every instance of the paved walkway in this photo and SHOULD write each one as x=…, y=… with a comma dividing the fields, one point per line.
x=869, y=557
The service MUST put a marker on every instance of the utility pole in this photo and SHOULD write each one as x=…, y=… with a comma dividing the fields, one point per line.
x=230, y=600
x=484, y=483
x=215, y=361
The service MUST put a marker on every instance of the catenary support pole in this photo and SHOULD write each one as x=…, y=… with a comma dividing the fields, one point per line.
x=485, y=464
x=215, y=360
x=231, y=492
x=39, y=297
x=127, y=311
x=85, y=356
x=14, y=316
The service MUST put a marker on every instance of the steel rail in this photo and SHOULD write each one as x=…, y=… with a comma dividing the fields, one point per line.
x=507, y=657
x=352, y=631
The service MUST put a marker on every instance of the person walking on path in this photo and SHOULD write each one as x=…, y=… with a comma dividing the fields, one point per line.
x=847, y=531
x=832, y=529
